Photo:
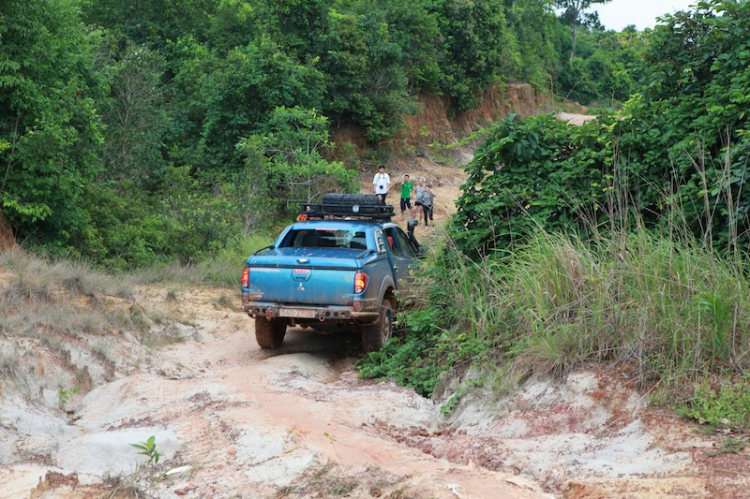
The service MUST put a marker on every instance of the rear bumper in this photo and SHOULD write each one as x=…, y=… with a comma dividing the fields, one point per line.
x=310, y=313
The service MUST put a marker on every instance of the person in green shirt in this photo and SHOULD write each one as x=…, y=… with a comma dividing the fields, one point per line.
x=407, y=187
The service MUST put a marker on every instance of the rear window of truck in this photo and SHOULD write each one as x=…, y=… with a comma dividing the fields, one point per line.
x=325, y=238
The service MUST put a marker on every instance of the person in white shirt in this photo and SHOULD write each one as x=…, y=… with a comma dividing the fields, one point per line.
x=381, y=183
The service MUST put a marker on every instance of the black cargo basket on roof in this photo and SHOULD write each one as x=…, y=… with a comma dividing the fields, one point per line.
x=350, y=206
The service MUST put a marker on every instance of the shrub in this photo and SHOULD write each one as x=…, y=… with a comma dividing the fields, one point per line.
x=721, y=404
x=669, y=311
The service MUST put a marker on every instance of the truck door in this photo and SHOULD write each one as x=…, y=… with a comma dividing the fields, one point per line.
x=402, y=254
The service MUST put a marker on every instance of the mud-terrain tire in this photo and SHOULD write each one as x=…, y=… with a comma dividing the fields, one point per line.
x=269, y=334
x=376, y=335
x=351, y=199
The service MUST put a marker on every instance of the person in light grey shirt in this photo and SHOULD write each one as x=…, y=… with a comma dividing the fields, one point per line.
x=424, y=200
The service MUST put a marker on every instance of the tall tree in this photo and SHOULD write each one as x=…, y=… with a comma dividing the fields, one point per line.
x=370, y=82
x=694, y=114
x=223, y=99
x=479, y=46
x=534, y=24
x=49, y=127
x=135, y=117
x=574, y=13
x=285, y=165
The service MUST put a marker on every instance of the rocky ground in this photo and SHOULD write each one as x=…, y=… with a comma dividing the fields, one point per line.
x=230, y=420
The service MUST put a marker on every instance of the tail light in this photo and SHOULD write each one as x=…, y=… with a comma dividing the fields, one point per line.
x=360, y=282
x=246, y=277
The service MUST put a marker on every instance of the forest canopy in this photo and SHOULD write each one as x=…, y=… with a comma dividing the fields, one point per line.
x=136, y=132
x=675, y=158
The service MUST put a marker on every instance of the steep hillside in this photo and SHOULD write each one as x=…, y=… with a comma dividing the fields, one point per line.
x=437, y=121
x=422, y=149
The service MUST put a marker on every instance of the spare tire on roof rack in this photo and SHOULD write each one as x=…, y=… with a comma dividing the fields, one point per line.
x=351, y=199
x=350, y=206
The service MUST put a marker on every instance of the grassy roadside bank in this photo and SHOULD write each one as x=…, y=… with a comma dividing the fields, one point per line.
x=675, y=315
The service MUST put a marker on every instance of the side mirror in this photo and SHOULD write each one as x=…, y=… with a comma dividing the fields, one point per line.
x=413, y=222
x=410, y=224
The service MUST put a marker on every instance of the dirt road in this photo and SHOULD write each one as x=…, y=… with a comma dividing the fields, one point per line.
x=231, y=420
x=235, y=421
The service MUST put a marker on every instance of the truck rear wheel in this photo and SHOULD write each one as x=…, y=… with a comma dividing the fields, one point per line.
x=375, y=336
x=269, y=334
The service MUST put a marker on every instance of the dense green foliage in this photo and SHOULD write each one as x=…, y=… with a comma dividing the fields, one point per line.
x=602, y=70
x=135, y=132
x=609, y=242
x=536, y=173
x=49, y=127
x=692, y=115
x=285, y=168
x=674, y=156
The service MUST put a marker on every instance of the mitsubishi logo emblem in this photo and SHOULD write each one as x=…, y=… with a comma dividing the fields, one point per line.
x=300, y=287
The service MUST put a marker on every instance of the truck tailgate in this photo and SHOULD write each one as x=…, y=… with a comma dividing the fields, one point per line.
x=309, y=277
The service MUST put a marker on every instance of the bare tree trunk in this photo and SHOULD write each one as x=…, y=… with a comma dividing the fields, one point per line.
x=7, y=240
x=575, y=37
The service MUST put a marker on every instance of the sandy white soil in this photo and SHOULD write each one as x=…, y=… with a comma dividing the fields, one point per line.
x=235, y=421
x=232, y=420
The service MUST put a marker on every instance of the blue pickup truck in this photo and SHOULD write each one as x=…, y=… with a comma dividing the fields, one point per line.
x=337, y=269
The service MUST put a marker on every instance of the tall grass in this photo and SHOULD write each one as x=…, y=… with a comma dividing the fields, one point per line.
x=669, y=303
x=32, y=273
x=44, y=296
x=34, y=278
x=667, y=311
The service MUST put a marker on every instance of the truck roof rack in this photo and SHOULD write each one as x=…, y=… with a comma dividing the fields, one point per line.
x=353, y=206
